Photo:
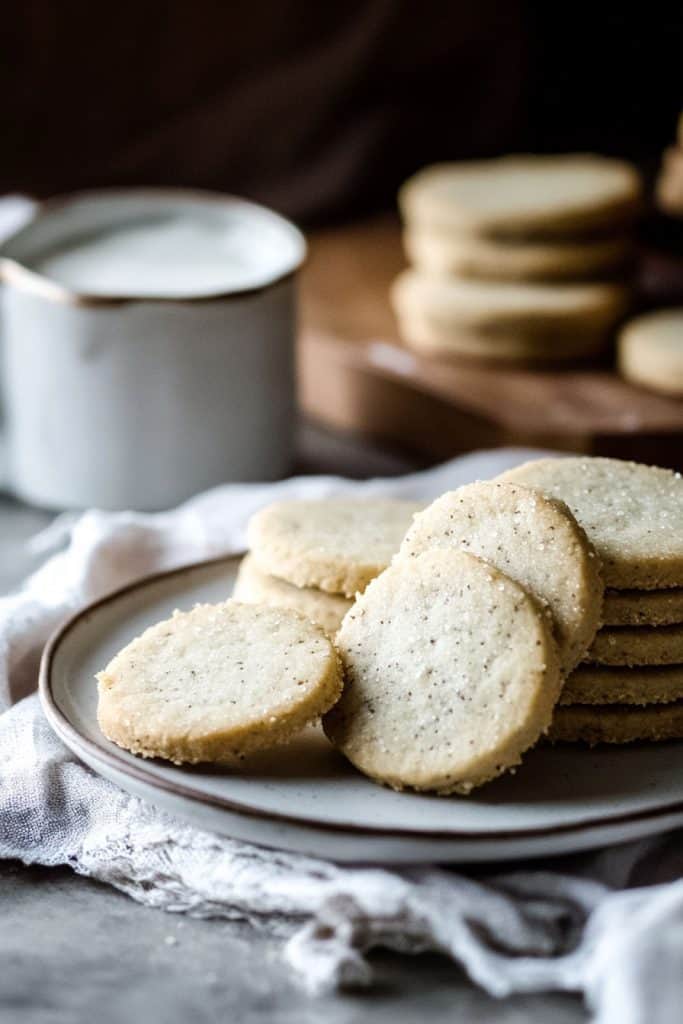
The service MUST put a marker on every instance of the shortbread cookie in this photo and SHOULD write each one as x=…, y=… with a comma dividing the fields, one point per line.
x=256, y=587
x=632, y=514
x=615, y=723
x=643, y=607
x=589, y=685
x=337, y=545
x=637, y=645
x=650, y=351
x=527, y=311
x=469, y=256
x=523, y=196
x=217, y=682
x=430, y=338
x=451, y=673
x=532, y=539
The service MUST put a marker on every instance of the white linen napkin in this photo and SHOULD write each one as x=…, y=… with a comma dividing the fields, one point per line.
x=608, y=924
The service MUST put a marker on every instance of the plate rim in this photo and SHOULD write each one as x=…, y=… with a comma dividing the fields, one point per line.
x=74, y=739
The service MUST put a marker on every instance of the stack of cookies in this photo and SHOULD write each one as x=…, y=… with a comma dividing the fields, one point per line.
x=517, y=260
x=630, y=686
x=315, y=556
x=670, y=180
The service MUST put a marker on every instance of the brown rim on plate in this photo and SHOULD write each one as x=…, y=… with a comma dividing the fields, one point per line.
x=113, y=757
x=13, y=272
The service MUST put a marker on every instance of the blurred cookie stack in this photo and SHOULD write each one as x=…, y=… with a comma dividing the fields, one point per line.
x=630, y=686
x=521, y=259
x=670, y=181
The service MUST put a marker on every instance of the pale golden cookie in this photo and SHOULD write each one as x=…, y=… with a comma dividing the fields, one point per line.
x=535, y=313
x=524, y=196
x=217, y=682
x=643, y=607
x=532, y=539
x=590, y=685
x=614, y=723
x=465, y=255
x=650, y=351
x=443, y=342
x=637, y=645
x=337, y=545
x=632, y=514
x=451, y=673
x=256, y=587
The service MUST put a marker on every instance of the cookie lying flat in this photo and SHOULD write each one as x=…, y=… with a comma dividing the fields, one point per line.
x=523, y=196
x=451, y=673
x=216, y=683
x=588, y=685
x=446, y=342
x=529, y=311
x=650, y=351
x=637, y=645
x=643, y=607
x=632, y=514
x=470, y=256
x=337, y=545
x=615, y=723
x=256, y=587
x=532, y=539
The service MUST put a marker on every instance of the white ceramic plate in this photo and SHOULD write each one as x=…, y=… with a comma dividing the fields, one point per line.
x=306, y=797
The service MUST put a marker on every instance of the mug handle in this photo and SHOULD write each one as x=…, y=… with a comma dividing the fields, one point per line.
x=16, y=211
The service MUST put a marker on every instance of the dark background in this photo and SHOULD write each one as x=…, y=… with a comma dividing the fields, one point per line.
x=322, y=109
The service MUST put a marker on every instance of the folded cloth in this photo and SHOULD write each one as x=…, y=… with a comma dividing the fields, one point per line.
x=608, y=924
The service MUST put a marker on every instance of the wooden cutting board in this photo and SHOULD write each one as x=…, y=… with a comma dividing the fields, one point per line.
x=354, y=373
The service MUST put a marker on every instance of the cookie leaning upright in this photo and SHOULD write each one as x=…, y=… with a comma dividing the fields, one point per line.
x=534, y=540
x=451, y=673
x=217, y=682
x=337, y=545
x=632, y=514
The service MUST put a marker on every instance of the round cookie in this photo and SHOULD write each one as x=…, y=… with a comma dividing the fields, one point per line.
x=523, y=196
x=592, y=724
x=256, y=587
x=217, y=682
x=632, y=514
x=528, y=311
x=638, y=645
x=424, y=335
x=643, y=607
x=451, y=673
x=650, y=351
x=532, y=539
x=469, y=256
x=337, y=545
x=588, y=685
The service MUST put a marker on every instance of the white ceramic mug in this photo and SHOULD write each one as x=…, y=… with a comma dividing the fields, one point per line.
x=140, y=400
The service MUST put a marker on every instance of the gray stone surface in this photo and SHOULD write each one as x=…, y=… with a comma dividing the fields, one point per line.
x=74, y=952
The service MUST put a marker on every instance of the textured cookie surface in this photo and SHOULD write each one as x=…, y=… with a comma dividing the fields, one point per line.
x=337, y=545
x=470, y=256
x=217, y=682
x=257, y=587
x=527, y=196
x=590, y=685
x=650, y=351
x=532, y=539
x=451, y=673
x=632, y=514
x=592, y=724
x=643, y=607
x=530, y=310
x=637, y=645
